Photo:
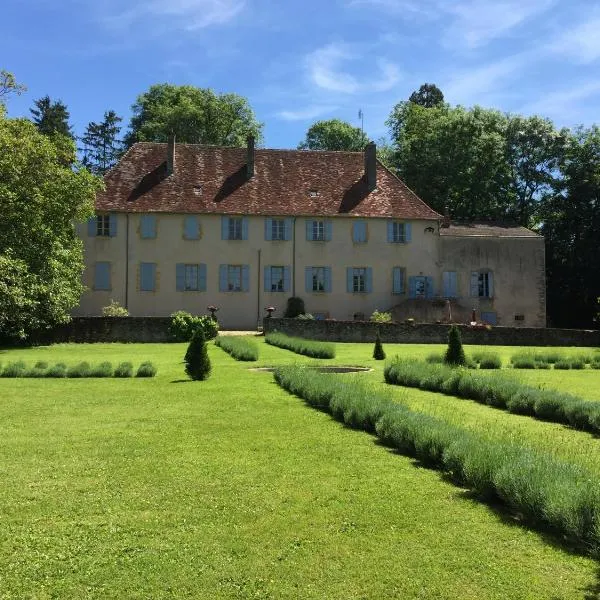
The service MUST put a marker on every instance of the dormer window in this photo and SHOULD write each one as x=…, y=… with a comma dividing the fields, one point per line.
x=313, y=193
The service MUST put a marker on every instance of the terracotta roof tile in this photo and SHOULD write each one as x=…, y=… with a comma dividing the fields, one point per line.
x=211, y=179
x=487, y=230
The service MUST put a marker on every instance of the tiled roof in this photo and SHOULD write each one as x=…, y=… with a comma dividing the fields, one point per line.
x=212, y=179
x=487, y=230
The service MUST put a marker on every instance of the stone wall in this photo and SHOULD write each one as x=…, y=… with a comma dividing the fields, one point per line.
x=428, y=333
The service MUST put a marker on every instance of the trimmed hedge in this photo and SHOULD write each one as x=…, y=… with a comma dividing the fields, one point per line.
x=497, y=390
x=301, y=346
x=240, y=347
x=547, y=493
x=80, y=370
x=547, y=359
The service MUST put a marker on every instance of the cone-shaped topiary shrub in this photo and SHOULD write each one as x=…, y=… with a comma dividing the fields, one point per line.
x=197, y=363
x=378, y=353
x=295, y=307
x=455, y=355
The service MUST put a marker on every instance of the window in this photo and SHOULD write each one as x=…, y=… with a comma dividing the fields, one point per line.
x=147, y=277
x=519, y=317
x=278, y=229
x=398, y=232
x=450, y=284
x=398, y=277
x=190, y=277
x=359, y=232
x=103, y=225
x=359, y=280
x=318, y=279
x=318, y=230
x=234, y=278
x=277, y=279
x=482, y=284
x=420, y=287
x=491, y=318
x=234, y=228
x=148, y=227
x=191, y=228
x=102, y=276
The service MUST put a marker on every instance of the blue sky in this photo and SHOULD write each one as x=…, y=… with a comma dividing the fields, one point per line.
x=298, y=61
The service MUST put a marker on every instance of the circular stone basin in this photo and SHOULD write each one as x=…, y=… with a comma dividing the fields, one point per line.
x=328, y=369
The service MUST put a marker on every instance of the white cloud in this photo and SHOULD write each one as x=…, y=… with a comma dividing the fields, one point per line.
x=188, y=15
x=324, y=69
x=305, y=114
x=580, y=43
x=566, y=103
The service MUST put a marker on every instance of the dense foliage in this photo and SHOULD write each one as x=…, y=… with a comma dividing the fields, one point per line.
x=334, y=134
x=378, y=351
x=455, y=355
x=101, y=144
x=197, y=362
x=301, y=346
x=183, y=326
x=240, y=347
x=294, y=308
x=41, y=198
x=51, y=118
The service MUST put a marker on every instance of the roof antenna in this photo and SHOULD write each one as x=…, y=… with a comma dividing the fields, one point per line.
x=361, y=116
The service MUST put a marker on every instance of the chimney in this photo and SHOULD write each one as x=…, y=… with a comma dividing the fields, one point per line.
x=371, y=166
x=446, y=219
x=171, y=154
x=250, y=157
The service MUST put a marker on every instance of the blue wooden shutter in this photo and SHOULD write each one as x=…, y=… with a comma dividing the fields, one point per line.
x=328, y=231
x=491, y=318
x=412, y=287
x=449, y=280
x=245, y=278
x=180, y=277
x=223, y=278
x=390, y=231
x=429, y=287
x=286, y=279
x=202, y=277
x=369, y=280
x=224, y=228
x=327, y=272
x=287, y=229
x=102, y=276
x=112, y=225
x=148, y=226
x=308, y=279
x=267, y=279
x=309, y=230
x=244, y=228
x=190, y=228
x=475, y=284
x=491, y=287
x=397, y=280
x=359, y=232
x=349, y=280
x=147, y=277
x=407, y=232
x=93, y=226
x=268, y=229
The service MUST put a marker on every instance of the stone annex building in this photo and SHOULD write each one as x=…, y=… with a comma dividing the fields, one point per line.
x=184, y=226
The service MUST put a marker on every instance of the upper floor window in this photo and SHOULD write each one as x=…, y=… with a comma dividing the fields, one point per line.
x=318, y=279
x=482, y=284
x=234, y=228
x=359, y=232
x=359, y=279
x=278, y=229
x=103, y=226
x=318, y=230
x=398, y=232
x=191, y=228
x=148, y=227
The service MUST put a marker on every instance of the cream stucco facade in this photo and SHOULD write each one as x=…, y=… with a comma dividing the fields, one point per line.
x=516, y=264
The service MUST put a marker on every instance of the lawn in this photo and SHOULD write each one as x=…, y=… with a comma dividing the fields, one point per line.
x=231, y=488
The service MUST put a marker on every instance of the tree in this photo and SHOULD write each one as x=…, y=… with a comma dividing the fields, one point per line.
x=428, y=95
x=102, y=147
x=41, y=198
x=194, y=115
x=197, y=363
x=334, y=134
x=295, y=307
x=570, y=218
x=9, y=85
x=51, y=117
x=378, y=352
x=455, y=355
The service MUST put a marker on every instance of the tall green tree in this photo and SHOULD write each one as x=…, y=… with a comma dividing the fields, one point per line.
x=570, y=218
x=41, y=257
x=51, y=117
x=9, y=85
x=194, y=115
x=334, y=134
x=428, y=95
x=101, y=144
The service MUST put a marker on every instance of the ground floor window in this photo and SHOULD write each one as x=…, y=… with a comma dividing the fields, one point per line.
x=482, y=284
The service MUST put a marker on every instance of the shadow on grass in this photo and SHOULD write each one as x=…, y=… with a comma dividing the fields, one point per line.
x=182, y=381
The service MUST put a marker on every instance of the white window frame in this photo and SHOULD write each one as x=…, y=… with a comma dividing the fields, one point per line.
x=483, y=284
x=318, y=279
x=103, y=225
x=398, y=232
x=235, y=228
x=277, y=279
x=278, y=230
x=318, y=231
x=234, y=275
x=191, y=278
x=359, y=279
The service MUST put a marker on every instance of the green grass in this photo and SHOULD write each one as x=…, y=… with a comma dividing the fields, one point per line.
x=232, y=488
